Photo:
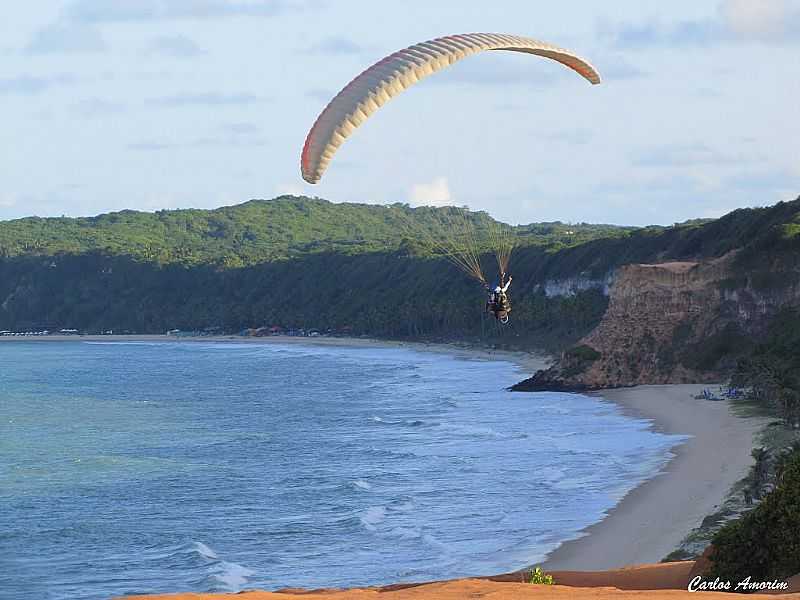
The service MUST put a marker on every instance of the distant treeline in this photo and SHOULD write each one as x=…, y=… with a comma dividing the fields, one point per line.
x=258, y=231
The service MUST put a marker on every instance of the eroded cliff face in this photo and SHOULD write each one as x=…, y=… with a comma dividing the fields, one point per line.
x=673, y=322
x=649, y=306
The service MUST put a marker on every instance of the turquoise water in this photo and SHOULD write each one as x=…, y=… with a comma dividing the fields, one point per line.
x=154, y=467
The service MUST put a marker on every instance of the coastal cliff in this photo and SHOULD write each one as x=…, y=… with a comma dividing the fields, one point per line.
x=669, y=322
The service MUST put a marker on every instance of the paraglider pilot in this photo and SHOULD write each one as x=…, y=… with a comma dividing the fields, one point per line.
x=498, y=303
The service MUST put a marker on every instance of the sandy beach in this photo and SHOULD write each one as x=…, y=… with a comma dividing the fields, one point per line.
x=653, y=518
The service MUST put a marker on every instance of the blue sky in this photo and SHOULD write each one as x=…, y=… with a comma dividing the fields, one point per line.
x=152, y=104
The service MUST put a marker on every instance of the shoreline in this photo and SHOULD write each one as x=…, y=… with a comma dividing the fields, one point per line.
x=653, y=518
x=463, y=350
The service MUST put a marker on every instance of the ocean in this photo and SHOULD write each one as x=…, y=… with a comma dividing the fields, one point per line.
x=138, y=467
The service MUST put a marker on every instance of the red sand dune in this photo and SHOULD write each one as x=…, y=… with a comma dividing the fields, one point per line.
x=665, y=580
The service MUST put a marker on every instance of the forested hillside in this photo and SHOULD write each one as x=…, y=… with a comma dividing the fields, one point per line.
x=291, y=261
x=300, y=262
x=256, y=232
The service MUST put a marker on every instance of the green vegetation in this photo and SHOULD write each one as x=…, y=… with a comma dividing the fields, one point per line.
x=767, y=370
x=353, y=268
x=764, y=544
x=577, y=359
x=234, y=236
x=292, y=262
x=583, y=353
x=259, y=231
x=721, y=347
x=289, y=227
x=771, y=370
x=383, y=294
x=539, y=577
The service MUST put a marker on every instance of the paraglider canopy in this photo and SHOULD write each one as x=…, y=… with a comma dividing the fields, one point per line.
x=392, y=75
x=456, y=238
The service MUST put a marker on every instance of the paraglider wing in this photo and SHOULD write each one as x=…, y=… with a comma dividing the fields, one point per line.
x=392, y=75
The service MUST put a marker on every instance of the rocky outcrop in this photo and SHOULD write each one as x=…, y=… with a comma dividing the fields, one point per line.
x=571, y=286
x=672, y=322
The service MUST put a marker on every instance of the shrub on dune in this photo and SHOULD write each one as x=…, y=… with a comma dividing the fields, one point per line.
x=539, y=577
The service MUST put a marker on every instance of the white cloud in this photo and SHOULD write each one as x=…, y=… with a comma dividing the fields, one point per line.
x=289, y=189
x=765, y=21
x=758, y=19
x=432, y=193
x=76, y=30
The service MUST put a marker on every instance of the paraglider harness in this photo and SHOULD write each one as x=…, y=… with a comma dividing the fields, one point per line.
x=498, y=303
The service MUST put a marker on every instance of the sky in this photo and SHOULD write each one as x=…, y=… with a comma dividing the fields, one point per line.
x=158, y=104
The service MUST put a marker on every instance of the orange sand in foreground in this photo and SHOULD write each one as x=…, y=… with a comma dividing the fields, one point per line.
x=665, y=580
